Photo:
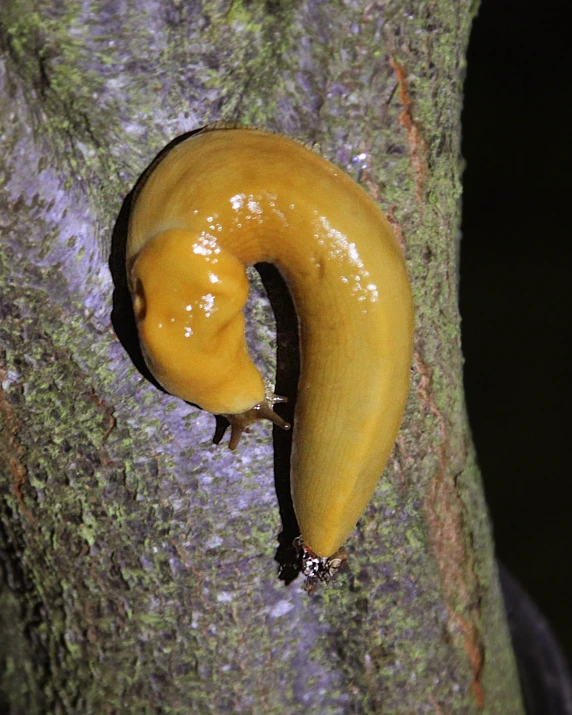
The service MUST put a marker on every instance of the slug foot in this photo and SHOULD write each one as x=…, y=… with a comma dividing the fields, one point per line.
x=242, y=421
x=317, y=569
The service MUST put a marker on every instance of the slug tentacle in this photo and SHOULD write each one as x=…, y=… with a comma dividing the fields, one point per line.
x=242, y=421
x=228, y=198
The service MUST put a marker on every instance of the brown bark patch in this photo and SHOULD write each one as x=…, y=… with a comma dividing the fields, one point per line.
x=417, y=144
x=111, y=423
x=12, y=453
x=397, y=229
x=450, y=542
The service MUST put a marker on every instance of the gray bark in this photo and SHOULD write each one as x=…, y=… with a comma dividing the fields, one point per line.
x=139, y=571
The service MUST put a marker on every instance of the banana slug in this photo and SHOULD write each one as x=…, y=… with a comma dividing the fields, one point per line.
x=226, y=198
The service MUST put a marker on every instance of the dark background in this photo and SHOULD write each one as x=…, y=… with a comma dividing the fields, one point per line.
x=515, y=288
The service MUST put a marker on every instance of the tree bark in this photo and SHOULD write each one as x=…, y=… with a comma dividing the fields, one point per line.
x=139, y=571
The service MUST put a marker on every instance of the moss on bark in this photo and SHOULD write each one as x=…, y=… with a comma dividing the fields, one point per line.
x=138, y=558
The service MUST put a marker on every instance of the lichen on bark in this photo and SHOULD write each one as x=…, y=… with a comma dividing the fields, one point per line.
x=138, y=558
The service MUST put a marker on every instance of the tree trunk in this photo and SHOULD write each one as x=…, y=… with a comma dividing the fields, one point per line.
x=139, y=571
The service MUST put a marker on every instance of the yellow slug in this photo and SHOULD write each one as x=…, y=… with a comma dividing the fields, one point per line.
x=226, y=198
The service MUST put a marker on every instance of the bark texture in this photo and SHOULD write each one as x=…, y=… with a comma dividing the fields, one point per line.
x=138, y=559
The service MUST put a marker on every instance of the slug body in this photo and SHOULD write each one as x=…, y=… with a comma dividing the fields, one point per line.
x=227, y=198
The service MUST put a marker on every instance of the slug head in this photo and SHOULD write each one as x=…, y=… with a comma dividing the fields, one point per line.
x=188, y=295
